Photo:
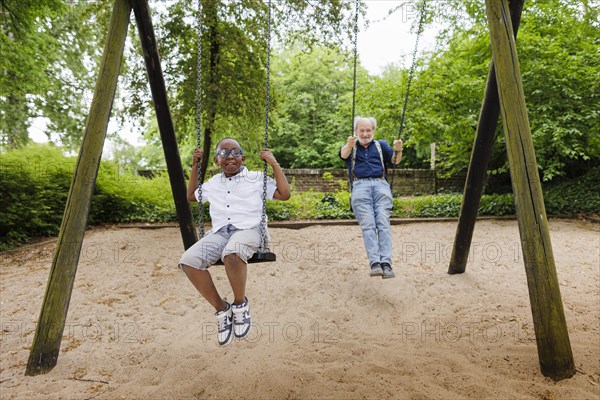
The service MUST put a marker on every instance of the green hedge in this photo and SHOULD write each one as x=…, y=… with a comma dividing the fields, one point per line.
x=35, y=181
x=573, y=197
x=34, y=184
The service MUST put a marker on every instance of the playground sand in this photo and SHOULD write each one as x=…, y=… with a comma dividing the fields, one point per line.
x=323, y=329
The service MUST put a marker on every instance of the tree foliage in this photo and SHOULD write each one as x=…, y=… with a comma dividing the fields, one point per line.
x=50, y=48
x=233, y=60
x=47, y=50
x=314, y=98
x=558, y=53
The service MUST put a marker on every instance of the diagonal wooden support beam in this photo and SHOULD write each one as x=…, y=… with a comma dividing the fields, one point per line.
x=51, y=324
x=552, y=338
x=165, y=123
x=480, y=157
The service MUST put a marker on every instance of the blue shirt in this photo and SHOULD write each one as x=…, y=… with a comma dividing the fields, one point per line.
x=368, y=162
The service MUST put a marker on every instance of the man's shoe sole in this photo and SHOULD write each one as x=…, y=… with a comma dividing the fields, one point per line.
x=376, y=272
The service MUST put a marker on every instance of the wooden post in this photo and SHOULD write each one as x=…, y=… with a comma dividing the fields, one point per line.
x=552, y=338
x=51, y=323
x=480, y=157
x=165, y=123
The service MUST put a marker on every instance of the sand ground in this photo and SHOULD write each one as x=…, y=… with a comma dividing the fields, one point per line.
x=322, y=328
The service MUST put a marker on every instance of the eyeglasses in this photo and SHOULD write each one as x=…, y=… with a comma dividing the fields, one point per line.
x=224, y=153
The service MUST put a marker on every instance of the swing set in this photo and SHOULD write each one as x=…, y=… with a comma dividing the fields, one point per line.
x=504, y=92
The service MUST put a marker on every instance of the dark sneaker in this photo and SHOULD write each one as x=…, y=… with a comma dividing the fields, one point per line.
x=241, y=319
x=376, y=269
x=225, y=323
x=387, y=271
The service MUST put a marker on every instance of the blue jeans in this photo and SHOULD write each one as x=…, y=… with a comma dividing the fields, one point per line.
x=372, y=204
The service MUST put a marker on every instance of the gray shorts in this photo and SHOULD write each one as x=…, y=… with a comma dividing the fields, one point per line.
x=216, y=245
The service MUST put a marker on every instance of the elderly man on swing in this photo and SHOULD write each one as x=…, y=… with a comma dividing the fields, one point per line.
x=371, y=199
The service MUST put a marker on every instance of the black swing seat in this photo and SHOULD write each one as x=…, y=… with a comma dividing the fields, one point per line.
x=258, y=257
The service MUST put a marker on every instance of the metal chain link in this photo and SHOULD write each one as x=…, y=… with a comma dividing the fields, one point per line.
x=199, y=114
x=409, y=81
x=412, y=67
x=263, y=221
x=355, y=40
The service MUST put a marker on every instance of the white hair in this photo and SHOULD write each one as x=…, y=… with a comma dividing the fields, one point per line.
x=372, y=120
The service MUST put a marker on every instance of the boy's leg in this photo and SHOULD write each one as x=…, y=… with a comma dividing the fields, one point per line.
x=242, y=245
x=195, y=261
x=237, y=273
x=203, y=282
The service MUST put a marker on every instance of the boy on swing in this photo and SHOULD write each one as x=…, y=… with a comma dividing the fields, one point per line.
x=235, y=197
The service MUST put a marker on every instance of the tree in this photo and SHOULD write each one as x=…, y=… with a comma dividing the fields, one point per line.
x=234, y=41
x=47, y=50
x=383, y=97
x=559, y=62
x=314, y=95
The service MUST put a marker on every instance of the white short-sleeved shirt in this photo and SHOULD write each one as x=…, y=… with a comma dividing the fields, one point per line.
x=236, y=200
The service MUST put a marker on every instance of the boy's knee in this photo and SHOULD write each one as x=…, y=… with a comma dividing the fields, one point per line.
x=232, y=257
x=188, y=269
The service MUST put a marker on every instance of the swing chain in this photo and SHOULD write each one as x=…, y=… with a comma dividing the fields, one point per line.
x=412, y=67
x=199, y=115
x=410, y=77
x=355, y=43
x=263, y=222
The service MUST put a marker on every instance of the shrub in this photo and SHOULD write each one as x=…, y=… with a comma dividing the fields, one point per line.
x=445, y=205
x=333, y=206
x=448, y=205
x=123, y=196
x=303, y=204
x=497, y=204
x=34, y=183
x=280, y=210
x=574, y=197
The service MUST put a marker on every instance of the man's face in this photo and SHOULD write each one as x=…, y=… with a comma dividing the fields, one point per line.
x=230, y=165
x=364, y=132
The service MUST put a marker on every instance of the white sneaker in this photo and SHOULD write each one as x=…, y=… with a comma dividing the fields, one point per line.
x=224, y=321
x=241, y=319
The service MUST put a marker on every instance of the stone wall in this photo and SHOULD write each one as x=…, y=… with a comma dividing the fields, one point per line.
x=405, y=182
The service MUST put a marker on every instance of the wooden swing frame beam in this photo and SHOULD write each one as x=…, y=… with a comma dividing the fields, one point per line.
x=505, y=95
x=51, y=323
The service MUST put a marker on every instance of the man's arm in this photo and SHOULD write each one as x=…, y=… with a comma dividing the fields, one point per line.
x=397, y=156
x=348, y=147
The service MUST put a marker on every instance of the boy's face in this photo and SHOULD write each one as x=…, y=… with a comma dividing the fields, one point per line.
x=230, y=165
